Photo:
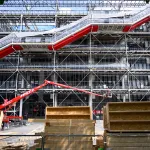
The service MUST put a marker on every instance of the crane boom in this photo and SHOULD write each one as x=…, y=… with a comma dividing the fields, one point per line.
x=73, y=88
x=16, y=99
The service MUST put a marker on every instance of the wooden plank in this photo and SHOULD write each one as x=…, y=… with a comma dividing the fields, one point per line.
x=38, y=120
x=128, y=134
x=68, y=112
x=128, y=140
x=64, y=139
x=104, y=118
x=130, y=126
x=130, y=148
x=63, y=121
x=83, y=124
x=68, y=127
x=82, y=130
x=57, y=130
x=70, y=130
x=68, y=116
x=128, y=106
x=133, y=139
x=71, y=138
x=91, y=113
x=130, y=116
x=124, y=144
x=69, y=145
x=72, y=122
x=125, y=131
x=107, y=116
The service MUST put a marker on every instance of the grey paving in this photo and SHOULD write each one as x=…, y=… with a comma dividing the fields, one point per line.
x=30, y=129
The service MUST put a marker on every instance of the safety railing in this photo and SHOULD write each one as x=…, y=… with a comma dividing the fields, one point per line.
x=65, y=31
x=7, y=39
x=11, y=38
x=43, y=12
x=134, y=84
x=90, y=19
x=113, y=66
x=69, y=65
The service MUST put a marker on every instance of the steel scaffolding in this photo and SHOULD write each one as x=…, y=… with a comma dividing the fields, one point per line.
x=105, y=59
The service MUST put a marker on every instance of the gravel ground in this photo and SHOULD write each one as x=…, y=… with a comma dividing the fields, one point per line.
x=29, y=129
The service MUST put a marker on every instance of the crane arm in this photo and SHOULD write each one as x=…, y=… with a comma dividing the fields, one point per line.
x=73, y=88
x=16, y=99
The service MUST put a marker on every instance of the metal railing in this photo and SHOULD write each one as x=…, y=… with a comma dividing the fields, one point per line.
x=134, y=84
x=67, y=66
x=65, y=31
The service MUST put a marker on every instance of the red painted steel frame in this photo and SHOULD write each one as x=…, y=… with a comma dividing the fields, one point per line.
x=92, y=28
x=18, y=98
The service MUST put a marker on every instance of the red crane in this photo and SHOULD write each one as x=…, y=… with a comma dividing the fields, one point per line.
x=18, y=98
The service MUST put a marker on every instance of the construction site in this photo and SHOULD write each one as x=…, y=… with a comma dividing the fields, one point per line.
x=74, y=75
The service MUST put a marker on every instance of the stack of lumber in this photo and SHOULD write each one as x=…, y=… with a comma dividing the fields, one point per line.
x=76, y=121
x=127, y=117
x=126, y=125
x=128, y=141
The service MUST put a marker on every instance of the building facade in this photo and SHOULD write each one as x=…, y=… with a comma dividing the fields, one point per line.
x=111, y=54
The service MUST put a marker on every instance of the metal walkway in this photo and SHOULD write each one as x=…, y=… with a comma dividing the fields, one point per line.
x=59, y=37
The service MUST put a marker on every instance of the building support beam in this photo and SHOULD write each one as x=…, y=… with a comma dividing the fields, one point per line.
x=54, y=78
x=21, y=101
x=91, y=76
x=41, y=79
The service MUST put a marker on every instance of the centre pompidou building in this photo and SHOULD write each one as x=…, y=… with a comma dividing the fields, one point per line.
x=96, y=45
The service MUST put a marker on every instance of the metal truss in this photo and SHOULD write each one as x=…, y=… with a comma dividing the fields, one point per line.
x=30, y=17
x=96, y=62
x=71, y=3
x=124, y=83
